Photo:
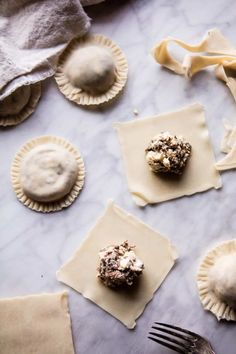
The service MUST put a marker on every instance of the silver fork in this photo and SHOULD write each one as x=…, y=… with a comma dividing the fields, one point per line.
x=180, y=340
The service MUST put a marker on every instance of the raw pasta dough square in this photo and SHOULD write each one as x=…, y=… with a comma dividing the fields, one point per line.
x=114, y=227
x=200, y=173
x=35, y=324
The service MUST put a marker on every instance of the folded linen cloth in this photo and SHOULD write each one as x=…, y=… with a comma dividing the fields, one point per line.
x=90, y=2
x=32, y=35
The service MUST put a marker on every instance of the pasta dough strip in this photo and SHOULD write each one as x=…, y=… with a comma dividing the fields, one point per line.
x=222, y=54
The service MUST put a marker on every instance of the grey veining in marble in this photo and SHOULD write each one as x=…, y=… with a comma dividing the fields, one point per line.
x=33, y=246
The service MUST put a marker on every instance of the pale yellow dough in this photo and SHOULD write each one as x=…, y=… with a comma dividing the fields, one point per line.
x=14, y=103
x=229, y=138
x=19, y=105
x=200, y=173
x=216, y=281
x=36, y=324
x=87, y=81
x=92, y=69
x=114, y=227
x=47, y=173
x=228, y=146
x=222, y=279
x=218, y=51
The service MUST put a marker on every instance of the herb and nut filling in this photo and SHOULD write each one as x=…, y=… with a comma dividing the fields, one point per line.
x=168, y=153
x=119, y=265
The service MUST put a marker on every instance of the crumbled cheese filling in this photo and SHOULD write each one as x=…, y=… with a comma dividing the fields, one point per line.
x=119, y=265
x=168, y=153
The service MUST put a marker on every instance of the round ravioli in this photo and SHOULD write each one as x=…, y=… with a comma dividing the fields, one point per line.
x=47, y=174
x=216, y=280
x=14, y=103
x=92, y=70
x=19, y=105
x=222, y=279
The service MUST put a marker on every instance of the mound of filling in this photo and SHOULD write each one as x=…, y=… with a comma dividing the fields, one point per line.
x=222, y=279
x=14, y=103
x=168, y=153
x=48, y=172
x=119, y=265
x=91, y=68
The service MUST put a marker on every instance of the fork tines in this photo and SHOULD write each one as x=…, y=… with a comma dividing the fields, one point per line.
x=175, y=338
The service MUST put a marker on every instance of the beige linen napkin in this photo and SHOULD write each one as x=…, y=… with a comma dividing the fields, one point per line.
x=90, y=2
x=32, y=34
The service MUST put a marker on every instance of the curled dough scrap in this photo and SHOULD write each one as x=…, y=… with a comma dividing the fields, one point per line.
x=228, y=162
x=217, y=51
x=228, y=146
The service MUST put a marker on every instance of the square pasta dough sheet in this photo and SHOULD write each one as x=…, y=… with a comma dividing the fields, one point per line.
x=200, y=173
x=36, y=324
x=114, y=227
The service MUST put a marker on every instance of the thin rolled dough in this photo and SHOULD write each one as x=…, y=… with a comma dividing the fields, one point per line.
x=200, y=173
x=114, y=227
x=229, y=138
x=36, y=324
x=228, y=146
x=217, y=51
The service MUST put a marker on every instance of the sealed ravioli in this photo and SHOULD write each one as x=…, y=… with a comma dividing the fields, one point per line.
x=15, y=108
x=92, y=70
x=47, y=174
x=216, y=281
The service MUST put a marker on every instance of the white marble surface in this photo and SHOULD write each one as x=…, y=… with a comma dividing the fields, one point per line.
x=33, y=246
